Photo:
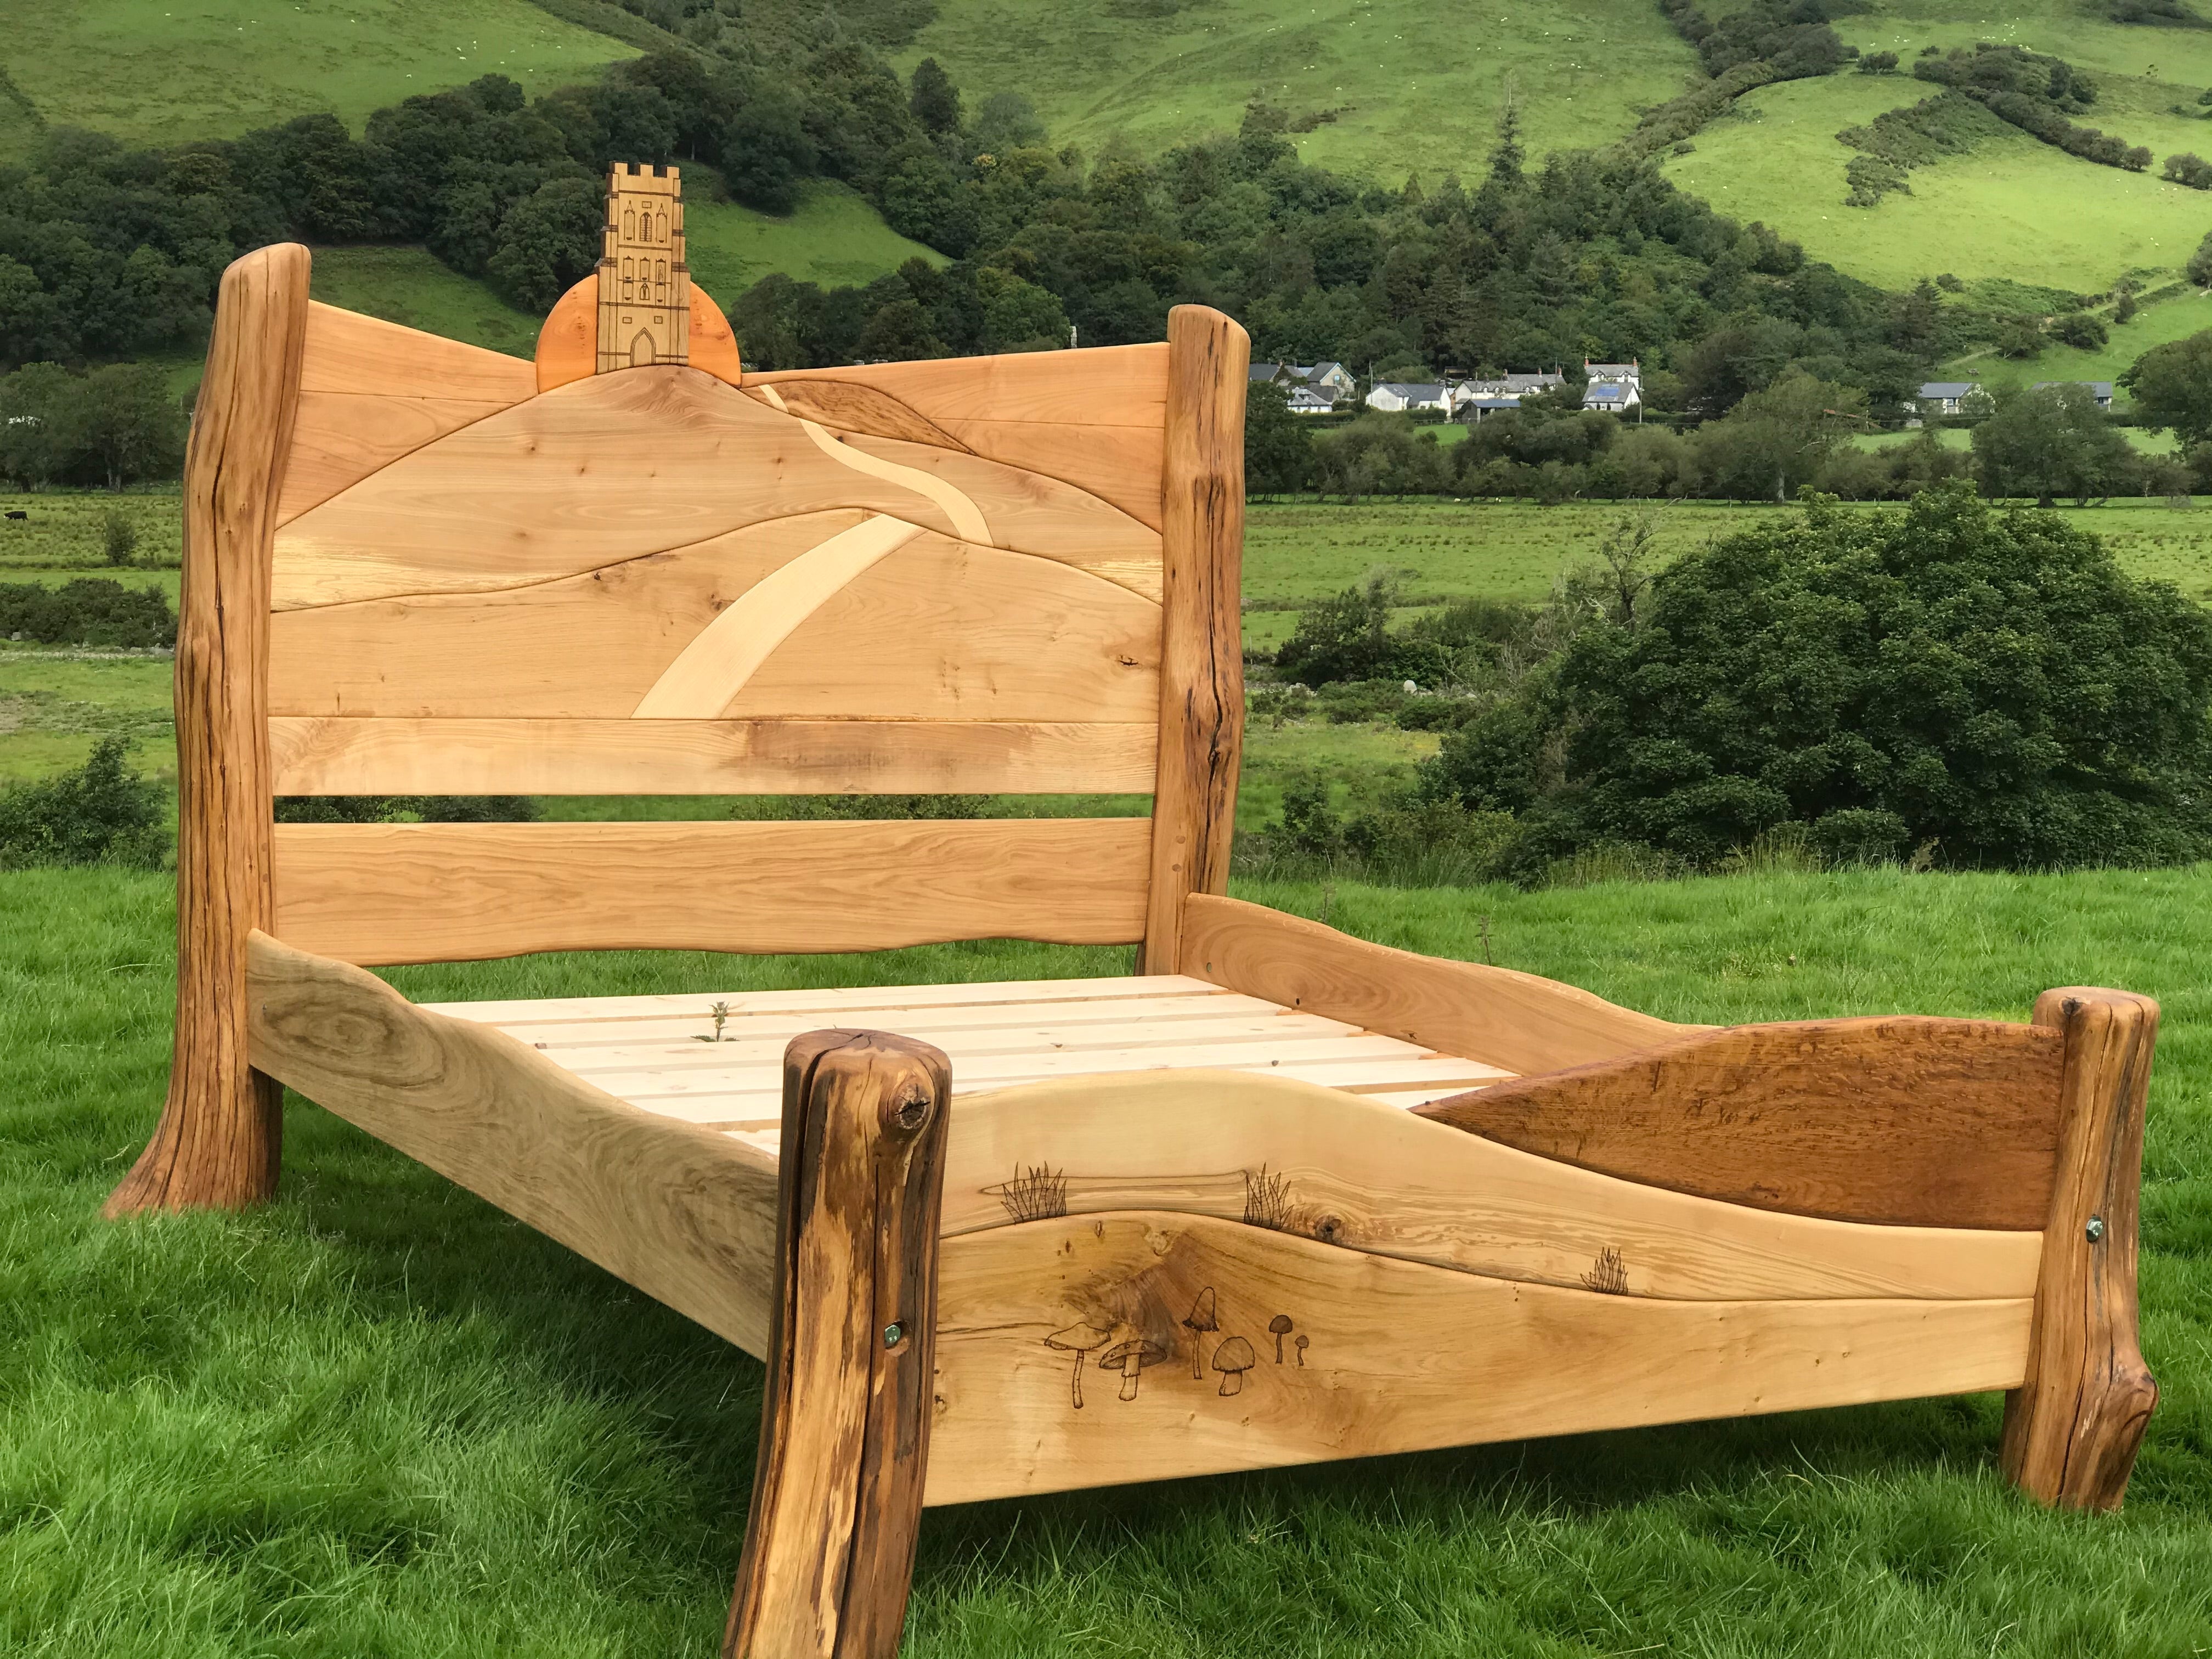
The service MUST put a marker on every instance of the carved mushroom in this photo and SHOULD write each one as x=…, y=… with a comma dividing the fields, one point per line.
x=1280, y=1328
x=1202, y=1322
x=1130, y=1358
x=1232, y=1359
x=1299, y=1342
x=1079, y=1339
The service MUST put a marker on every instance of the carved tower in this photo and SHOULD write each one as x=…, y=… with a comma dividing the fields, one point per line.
x=645, y=287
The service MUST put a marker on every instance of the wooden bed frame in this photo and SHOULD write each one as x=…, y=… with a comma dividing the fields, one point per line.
x=1282, y=1196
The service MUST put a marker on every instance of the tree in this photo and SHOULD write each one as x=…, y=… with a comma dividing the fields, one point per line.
x=1992, y=683
x=2050, y=441
x=2080, y=329
x=2171, y=384
x=934, y=100
x=2199, y=268
x=549, y=241
x=1278, y=447
x=1776, y=441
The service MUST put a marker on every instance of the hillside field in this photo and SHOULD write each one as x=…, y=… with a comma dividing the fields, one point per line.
x=153, y=74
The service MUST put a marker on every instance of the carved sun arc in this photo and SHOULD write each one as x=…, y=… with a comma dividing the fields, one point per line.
x=728, y=651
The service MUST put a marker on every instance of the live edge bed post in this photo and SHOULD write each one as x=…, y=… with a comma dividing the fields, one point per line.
x=217, y=1140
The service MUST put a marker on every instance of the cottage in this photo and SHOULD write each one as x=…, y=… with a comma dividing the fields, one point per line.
x=1305, y=400
x=1947, y=397
x=1612, y=388
x=1332, y=380
x=1470, y=400
x=2100, y=390
x=1408, y=397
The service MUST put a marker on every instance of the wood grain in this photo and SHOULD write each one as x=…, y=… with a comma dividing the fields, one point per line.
x=2071, y=1431
x=850, y=406
x=1201, y=641
x=1512, y=1020
x=347, y=352
x=1401, y=1357
x=937, y=630
x=617, y=467
x=687, y=1216
x=217, y=1140
x=452, y=892
x=1338, y=1168
x=845, y=1429
x=569, y=340
x=1102, y=385
x=1904, y=1121
x=341, y=756
x=341, y=437
x=1122, y=465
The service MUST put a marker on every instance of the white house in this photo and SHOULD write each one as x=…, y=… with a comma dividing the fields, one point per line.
x=1471, y=400
x=1405, y=396
x=1305, y=400
x=1946, y=397
x=1612, y=388
x=2100, y=390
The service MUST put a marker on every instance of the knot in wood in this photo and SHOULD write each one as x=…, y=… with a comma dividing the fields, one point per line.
x=910, y=1105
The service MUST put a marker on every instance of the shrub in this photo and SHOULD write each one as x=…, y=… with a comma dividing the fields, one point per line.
x=104, y=813
x=1878, y=63
x=90, y=611
x=118, y=537
x=2189, y=169
x=2081, y=330
x=1992, y=683
x=405, y=809
x=1348, y=638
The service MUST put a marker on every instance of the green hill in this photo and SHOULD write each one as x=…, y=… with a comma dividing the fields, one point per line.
x=213, y=69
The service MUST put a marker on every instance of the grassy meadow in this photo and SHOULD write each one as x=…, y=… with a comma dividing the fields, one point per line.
x=379, y=1416
x=213, y=69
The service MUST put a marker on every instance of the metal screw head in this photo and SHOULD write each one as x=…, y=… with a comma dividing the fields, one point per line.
x=2096, y=1228
x=891, y=1334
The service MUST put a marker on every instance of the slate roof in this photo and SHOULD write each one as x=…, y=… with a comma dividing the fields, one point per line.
x=2098, y=388
x=1934, y=389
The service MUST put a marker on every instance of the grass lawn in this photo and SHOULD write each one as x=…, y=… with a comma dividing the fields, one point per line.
x=412, y=286
x=2174, y=319
x=213, y=69
x=378, y=1417
x=833, y=237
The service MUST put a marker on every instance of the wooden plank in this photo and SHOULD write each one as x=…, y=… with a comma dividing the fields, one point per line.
x=348, y=352
x=452, y=892
x=1515, y=1021
x=685, y=1215
x=1119, y=464
x=841, y=1005
x=216, y=1141
x=380, y=756
x=1346, y=1170
x=1136, y=1015
x=695, y=1048
x=1911, y=1121
x=1102, y=385
x=2072, y=1429
x=1201, y=650
x=1400, y=1356
x=618, y=466
x=341, y=437
x=569, y=338
x=930, y=629
x=850, y=406
x=845, y=1426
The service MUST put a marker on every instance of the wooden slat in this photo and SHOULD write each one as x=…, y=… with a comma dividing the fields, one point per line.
x=1202, y=682
x=687, y=1216
x=838, y=1005
x=1165, y=1014
x=2071, y=1430
x=1516, y=1021
x=342, y=437
x=849, y=406
x=216, y=1141
x=762, y=1041
x=930, y=629
x=1102, y=385
x=618, y=466
x=449, y=892
x=350, y=353
x=376, y=755
x=1911, y=1121
x=1120, y=464
x=1400, y=1356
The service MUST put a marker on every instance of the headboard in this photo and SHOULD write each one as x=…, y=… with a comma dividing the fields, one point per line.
x=415, y=567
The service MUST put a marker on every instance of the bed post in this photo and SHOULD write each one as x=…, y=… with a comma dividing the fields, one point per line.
x=844, y=1438
x=2071, y=1429
x=216, y=1143
x=1202, y=636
